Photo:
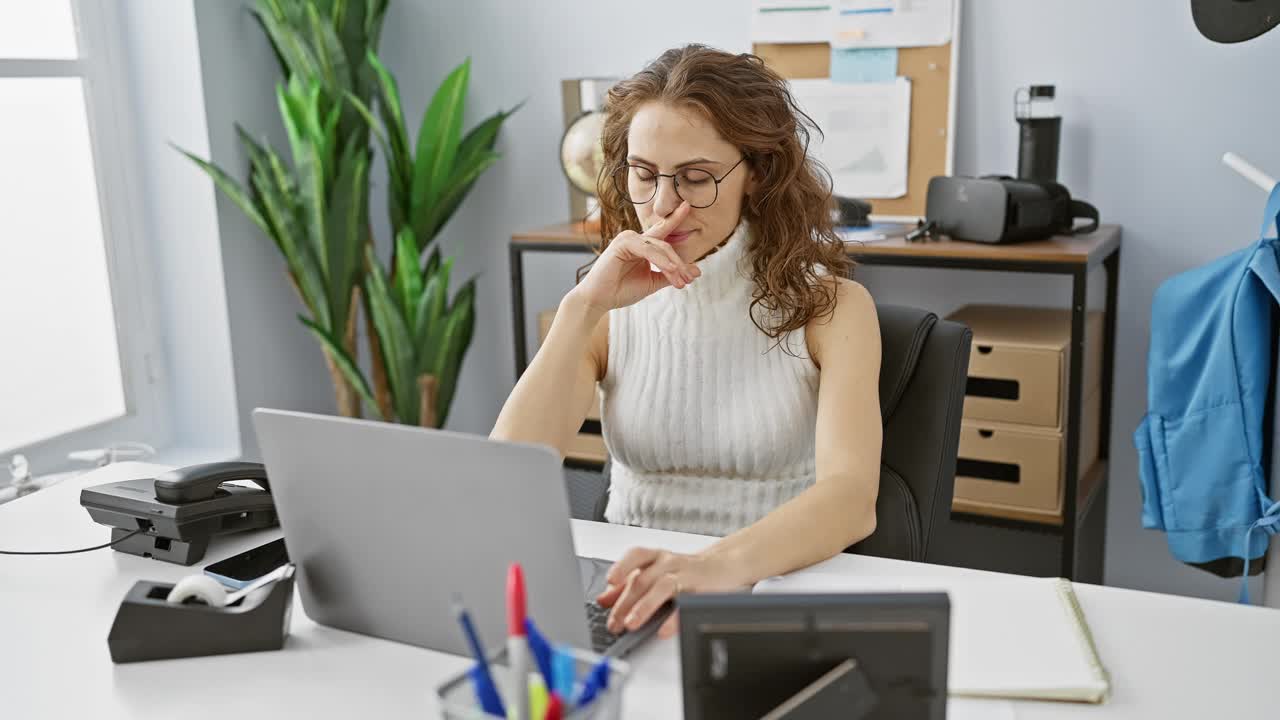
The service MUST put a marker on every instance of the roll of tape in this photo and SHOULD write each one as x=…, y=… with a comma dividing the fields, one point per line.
x=200, y=587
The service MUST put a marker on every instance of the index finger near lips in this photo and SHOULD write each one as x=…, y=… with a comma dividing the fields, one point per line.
x=662, y=257
x=663, y=227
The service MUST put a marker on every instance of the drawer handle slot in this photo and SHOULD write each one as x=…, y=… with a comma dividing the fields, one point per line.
x=985, y=470
x=997, y=388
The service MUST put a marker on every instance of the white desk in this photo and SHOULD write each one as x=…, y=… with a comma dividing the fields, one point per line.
x=1169, y=657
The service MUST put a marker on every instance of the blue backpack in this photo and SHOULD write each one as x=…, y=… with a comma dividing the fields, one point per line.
x=1201, y=444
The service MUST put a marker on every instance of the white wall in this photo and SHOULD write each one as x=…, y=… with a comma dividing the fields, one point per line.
x=180, y=221
x=1149, y=106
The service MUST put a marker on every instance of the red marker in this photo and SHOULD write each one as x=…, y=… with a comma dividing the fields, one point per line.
x=517, y=644
x=555, y=708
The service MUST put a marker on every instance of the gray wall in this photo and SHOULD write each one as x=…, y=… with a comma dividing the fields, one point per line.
x=180, y=218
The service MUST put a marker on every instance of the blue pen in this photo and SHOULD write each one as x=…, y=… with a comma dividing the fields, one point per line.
x=541, y=650
x=597, y=680
x=564, y=668
x=486, y=692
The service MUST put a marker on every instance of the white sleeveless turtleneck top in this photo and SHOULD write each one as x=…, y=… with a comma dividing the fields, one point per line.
x=709, y=424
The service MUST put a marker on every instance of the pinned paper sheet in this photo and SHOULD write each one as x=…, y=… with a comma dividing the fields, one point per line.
x=864, y=65
x=865, y=128
x=892, y=23
x=792, y=21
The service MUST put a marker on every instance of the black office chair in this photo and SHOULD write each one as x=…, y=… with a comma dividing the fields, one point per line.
x=924, y=367
x=923, y=372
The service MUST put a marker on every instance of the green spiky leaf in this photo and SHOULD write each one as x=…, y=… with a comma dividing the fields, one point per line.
x=231, y=188
x=397, y=347
x=429, y=314
x=434, y=326
x=459, y=330
x=408, y=276
x=483, y=136
x=399, y=160
x=438, y=139
x=347, y=219
x=345, y=364
x=431, y=222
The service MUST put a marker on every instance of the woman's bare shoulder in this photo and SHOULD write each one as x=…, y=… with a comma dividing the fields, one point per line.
x=852, y=325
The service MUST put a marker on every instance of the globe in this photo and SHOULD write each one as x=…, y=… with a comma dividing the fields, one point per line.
x=581, y=154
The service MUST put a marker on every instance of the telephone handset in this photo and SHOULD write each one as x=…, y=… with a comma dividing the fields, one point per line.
x=172, y=516
x=200, y=482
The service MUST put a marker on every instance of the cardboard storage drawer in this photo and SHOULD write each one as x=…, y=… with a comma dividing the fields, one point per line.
x=1020, y=361
x=1017, y=470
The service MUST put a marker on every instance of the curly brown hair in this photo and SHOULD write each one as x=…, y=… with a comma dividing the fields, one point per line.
x=789, y=209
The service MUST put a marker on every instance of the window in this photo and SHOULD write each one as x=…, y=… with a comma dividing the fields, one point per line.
x=76, y=345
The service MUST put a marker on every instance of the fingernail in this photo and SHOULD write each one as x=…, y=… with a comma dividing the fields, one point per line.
x=631, y=618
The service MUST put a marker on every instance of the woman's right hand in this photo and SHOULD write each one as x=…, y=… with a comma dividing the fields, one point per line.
x=622, y=275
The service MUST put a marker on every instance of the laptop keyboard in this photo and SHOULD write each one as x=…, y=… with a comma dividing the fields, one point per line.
x=598, y=621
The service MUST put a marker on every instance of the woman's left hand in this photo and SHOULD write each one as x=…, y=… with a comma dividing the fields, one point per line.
x=645, y=578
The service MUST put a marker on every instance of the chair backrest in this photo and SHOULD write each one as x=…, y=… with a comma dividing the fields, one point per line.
x=923, y=371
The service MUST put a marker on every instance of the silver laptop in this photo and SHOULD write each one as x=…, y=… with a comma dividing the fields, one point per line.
x=388, y=523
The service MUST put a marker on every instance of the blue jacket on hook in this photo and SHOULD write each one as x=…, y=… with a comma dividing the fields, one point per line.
x=1200, y=446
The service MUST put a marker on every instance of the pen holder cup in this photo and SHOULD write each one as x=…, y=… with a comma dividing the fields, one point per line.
x=148, y=628
x=457, y=697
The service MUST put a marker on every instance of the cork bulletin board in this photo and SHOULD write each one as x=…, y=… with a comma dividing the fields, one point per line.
x=930, y=149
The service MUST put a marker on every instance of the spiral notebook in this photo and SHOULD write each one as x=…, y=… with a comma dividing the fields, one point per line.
x=1019, y=638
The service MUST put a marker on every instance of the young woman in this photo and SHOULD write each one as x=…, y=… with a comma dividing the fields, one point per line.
x=739, y=368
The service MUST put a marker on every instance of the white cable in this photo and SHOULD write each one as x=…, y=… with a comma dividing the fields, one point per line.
x=95, y=456
x=1249, y=171
x=19, y=471
x=114, y=452
x=22, y=482
x=129, y=450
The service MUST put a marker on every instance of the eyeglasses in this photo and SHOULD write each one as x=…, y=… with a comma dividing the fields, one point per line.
x=699, y=188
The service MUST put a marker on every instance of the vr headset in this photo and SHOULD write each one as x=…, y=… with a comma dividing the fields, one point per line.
x=999, y=209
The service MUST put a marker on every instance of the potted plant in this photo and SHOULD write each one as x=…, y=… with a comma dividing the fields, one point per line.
x=315, y=207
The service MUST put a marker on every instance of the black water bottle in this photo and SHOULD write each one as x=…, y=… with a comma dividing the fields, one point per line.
x=1039, y=132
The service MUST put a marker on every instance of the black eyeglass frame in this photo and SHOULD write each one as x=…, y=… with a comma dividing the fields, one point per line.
x=657, y=176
